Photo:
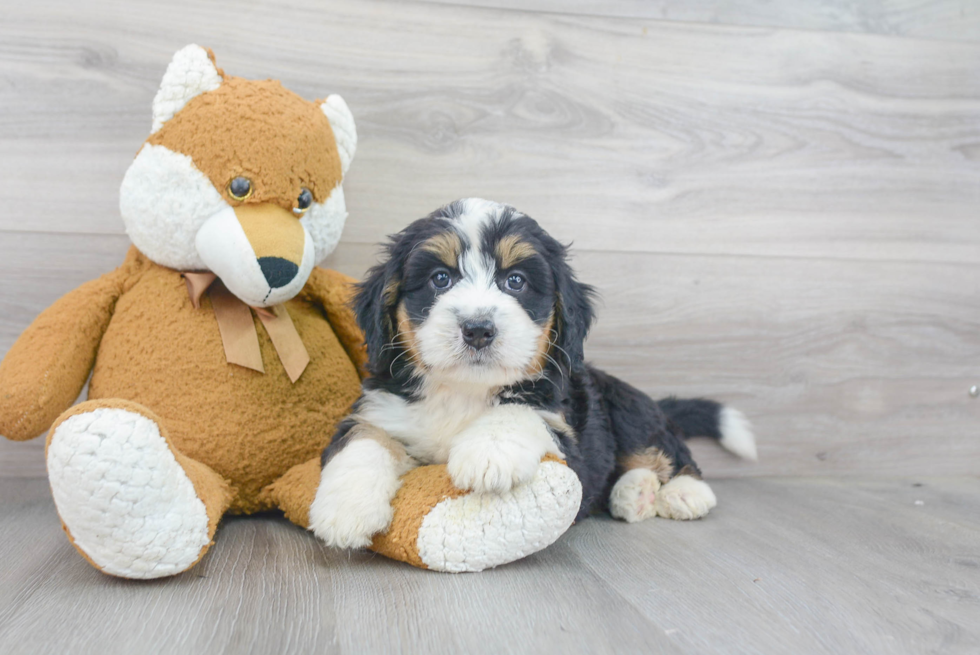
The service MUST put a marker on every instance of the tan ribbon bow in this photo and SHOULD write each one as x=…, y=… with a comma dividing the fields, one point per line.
x=238, y=334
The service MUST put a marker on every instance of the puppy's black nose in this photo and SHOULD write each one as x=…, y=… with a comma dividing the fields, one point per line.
x=478, y=334
x=278, y=272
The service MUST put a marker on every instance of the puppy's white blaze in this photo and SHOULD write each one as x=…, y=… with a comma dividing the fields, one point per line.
x=353, y=501
x=736, y=434
x=500, y=449
x=324, y=223
x=475, y=264
x=477, y=214
x=477, y=295
x=226, y=252
x=164, y=200
x=685, y=498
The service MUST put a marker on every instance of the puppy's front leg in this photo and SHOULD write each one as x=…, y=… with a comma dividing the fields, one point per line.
x=360, y=477
x=500, y=449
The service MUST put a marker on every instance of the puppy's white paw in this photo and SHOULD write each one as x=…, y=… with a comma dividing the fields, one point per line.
x=634, y=496
x=353, y=501
x=491, y=466
x=343, y=520
x=685, y=498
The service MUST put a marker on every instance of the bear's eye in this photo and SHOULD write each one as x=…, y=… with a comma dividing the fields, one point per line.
x=240, y=188
x=303, y=202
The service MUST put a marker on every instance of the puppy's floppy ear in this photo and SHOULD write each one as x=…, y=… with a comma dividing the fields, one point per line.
x=377, y=298
x=574, y=311
x=374, y=305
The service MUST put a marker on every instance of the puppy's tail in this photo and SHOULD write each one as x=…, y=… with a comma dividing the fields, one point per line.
x=700, y=417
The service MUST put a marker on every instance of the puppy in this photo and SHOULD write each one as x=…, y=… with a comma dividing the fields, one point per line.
x=475, y=327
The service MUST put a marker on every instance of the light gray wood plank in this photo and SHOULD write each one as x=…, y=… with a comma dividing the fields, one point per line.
x=668, y=137
x=843, y=366
x=270, y=587
x=806, y=566
x=803, y=566
x=957, y=20
x=796, y=210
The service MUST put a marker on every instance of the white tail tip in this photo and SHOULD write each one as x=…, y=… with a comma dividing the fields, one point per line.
x=736, y=434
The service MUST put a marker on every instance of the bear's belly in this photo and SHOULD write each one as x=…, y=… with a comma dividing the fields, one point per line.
x=248, y=426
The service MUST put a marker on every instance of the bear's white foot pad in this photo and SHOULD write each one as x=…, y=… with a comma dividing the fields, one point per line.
x=479, y=531
x=124, y=498
x=634, y=496
x=685, y=498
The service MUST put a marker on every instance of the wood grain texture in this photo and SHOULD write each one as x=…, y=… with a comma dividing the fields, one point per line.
x=783, y=219
x=801, y=566
x=660, y=138
x=955, y=20
x=843, y=366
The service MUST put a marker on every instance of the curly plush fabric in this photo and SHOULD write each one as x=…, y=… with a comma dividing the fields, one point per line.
x=173, y=436
x=440, y=527
x=138, y=509
x=268, y=134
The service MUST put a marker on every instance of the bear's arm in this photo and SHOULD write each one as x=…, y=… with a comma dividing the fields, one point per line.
x=46, y=368
x=333, y=291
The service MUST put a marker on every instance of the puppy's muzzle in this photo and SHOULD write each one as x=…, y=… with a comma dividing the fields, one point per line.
x=478, y=334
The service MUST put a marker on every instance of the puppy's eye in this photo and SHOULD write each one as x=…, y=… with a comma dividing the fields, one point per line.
x=441, y=280
x=515, y=282
x=240, y=188
x=303, y=202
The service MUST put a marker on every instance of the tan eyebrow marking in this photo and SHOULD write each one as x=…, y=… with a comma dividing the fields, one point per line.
x=446, y=246
x=511, y=250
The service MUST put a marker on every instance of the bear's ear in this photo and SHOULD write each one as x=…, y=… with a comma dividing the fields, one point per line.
x=191, y=73
x=344, y=132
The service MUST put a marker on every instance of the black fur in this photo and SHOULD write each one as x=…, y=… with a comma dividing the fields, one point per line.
x=697, y=417
x=609, y=419
x=340, y=439
x=375, y=308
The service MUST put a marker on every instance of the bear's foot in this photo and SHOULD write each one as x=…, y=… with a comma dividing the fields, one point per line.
x=124, y=499
x=440, y=527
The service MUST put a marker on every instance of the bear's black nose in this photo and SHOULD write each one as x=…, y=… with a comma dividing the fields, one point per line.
x=478, y=334
x=278, y=272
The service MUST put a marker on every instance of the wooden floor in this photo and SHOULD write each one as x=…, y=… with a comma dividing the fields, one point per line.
x=780, y=566
x=778, y=202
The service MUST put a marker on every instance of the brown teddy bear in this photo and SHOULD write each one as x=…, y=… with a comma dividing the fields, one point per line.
x=222, y=358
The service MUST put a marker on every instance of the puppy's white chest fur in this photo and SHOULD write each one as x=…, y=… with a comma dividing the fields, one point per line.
x=426, y=427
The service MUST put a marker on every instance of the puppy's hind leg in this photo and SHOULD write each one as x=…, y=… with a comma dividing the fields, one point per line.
x=646, y=489
x=685, y=497
x=635, y=495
